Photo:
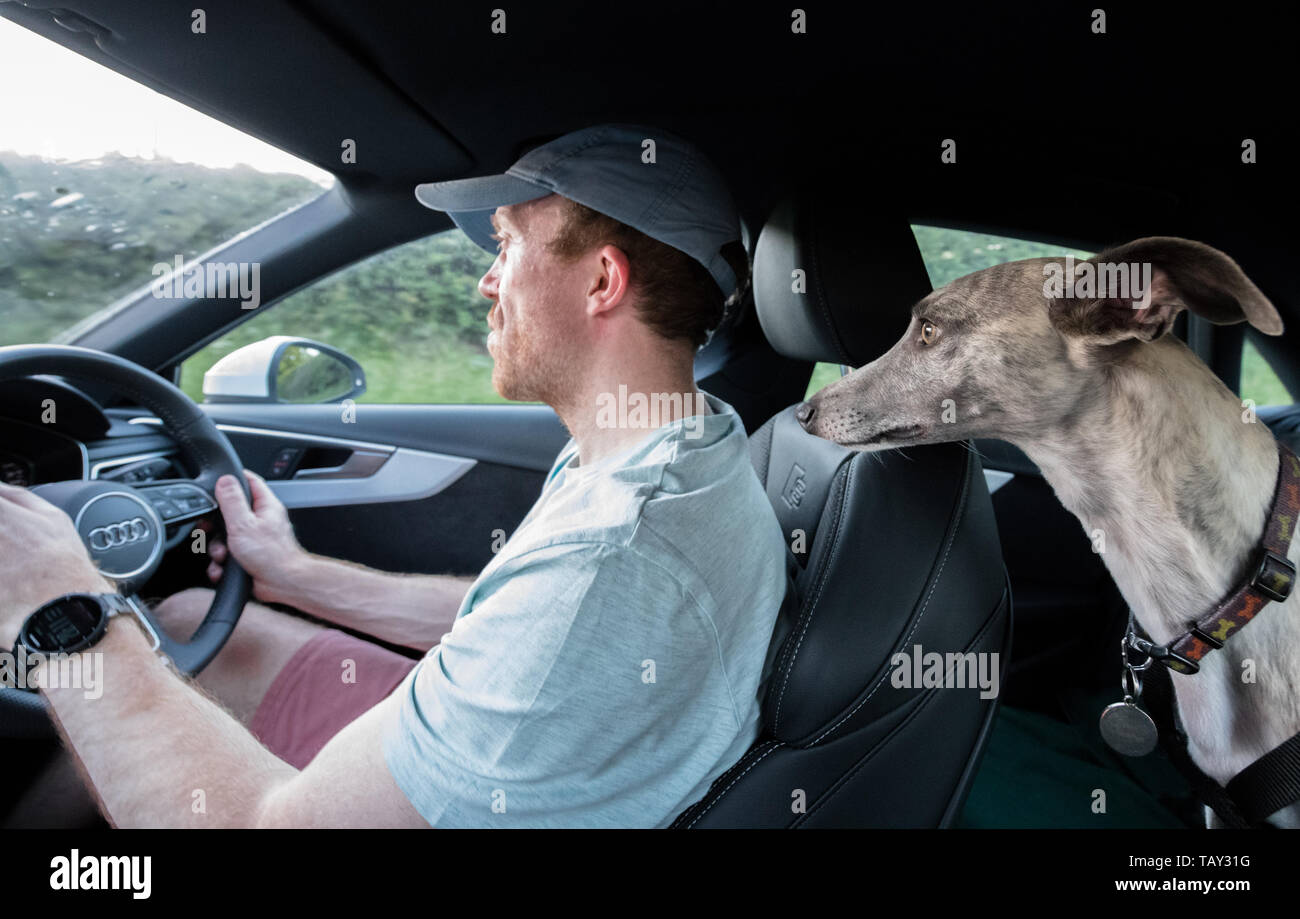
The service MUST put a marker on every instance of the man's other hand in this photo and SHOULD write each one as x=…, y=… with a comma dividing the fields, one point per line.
x=260, y=537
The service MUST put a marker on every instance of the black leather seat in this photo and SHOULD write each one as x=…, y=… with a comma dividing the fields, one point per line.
x=900, y=549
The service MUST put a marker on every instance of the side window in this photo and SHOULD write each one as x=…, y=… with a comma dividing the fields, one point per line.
x=824, y=375
x=1258, y=381
x=950, y=254
x=102, y=179
x=412, y=317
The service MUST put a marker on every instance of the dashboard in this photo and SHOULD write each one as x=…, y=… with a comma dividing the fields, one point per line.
x=33, y=456
x=52, y=432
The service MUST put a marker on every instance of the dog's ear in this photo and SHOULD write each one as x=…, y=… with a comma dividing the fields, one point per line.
x=1183, y=275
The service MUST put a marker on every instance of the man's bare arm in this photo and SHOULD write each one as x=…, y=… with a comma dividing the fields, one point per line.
x=414, y=611
x=158, y=752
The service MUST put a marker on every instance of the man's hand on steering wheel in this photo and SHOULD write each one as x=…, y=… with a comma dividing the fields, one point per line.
x=119, y=523
x=260, y=537
x=41, y=557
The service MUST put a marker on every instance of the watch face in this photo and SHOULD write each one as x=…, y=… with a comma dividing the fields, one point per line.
x=63, y=626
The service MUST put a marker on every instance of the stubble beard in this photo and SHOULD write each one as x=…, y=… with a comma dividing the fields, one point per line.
x=529, y=370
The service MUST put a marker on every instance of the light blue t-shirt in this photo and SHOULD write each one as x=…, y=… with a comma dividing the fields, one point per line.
x=606, y=666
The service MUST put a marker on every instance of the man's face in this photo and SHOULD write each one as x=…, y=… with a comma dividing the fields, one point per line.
x=536, y=319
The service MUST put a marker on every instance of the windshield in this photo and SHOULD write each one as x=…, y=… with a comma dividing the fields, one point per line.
x=102, y=179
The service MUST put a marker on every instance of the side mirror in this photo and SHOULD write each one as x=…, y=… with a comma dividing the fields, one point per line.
x=284, y=369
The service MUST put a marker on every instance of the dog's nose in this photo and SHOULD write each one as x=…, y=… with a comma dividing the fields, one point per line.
x=804, y=413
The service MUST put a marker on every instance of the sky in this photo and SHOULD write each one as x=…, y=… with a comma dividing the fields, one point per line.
x=79, y=110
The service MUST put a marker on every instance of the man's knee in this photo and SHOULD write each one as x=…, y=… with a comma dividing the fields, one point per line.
x=256, y=652
x=181, y=613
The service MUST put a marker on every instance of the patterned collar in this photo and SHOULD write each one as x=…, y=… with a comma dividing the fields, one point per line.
x=1271, y=580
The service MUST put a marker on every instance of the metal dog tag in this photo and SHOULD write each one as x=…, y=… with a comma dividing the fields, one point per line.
x=1127, y=729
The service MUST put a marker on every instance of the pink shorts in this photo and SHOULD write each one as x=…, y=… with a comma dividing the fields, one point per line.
x=318, y=693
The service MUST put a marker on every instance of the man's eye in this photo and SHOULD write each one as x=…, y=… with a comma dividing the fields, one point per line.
x=928, y=332
x=499, y=240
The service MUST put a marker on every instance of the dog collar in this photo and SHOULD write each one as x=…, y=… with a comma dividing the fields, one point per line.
x=1271, y=581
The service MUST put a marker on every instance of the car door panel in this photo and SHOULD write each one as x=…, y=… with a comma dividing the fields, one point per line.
x=408, y=488
x=526, y=436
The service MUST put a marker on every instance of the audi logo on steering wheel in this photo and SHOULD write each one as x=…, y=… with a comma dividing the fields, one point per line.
x=122, y=533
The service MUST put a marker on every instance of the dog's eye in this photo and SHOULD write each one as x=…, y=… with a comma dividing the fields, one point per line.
x=928, y=332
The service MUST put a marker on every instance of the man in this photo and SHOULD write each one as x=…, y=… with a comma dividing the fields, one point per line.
x=606, y=665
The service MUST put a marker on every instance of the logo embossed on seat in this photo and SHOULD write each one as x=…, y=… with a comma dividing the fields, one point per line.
x=795, y=487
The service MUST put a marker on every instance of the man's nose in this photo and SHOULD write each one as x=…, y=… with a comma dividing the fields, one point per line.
x=804, y=414
x=487, y=285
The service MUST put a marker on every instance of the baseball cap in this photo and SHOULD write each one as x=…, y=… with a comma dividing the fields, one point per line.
x=679, y=198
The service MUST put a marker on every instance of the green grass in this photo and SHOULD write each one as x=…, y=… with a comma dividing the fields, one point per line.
x=1259, y=382
x=823, y=375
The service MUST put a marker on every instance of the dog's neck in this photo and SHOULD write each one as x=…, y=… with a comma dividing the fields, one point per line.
x=1173, y=482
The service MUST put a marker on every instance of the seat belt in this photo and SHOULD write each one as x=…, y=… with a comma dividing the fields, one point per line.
x=1263, y=788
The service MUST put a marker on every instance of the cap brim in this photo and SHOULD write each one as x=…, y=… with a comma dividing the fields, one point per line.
x=470, y=202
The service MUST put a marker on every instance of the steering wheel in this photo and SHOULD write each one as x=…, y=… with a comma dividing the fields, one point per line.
x=121, y=524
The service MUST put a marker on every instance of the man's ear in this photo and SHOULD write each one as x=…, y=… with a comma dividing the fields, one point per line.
x=611, y=287
x=1183, y=275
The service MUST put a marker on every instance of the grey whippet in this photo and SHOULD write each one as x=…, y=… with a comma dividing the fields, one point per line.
x=1139, y=439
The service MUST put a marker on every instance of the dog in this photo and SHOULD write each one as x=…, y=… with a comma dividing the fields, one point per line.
x=1138, y=438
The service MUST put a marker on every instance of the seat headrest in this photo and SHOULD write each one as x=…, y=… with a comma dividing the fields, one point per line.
x=861, y=274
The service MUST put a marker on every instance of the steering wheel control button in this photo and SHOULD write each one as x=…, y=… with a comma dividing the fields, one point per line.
x=175, y=503
x=165, y=508
x=122, y=532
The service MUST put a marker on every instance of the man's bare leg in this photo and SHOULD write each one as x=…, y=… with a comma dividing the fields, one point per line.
x=263, y=642
x=238, y=677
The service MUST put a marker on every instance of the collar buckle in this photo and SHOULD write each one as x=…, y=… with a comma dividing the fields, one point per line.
x=1163, y=654
x=1275, y=576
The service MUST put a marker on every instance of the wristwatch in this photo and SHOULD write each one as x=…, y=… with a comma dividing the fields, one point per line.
x=75, y=622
